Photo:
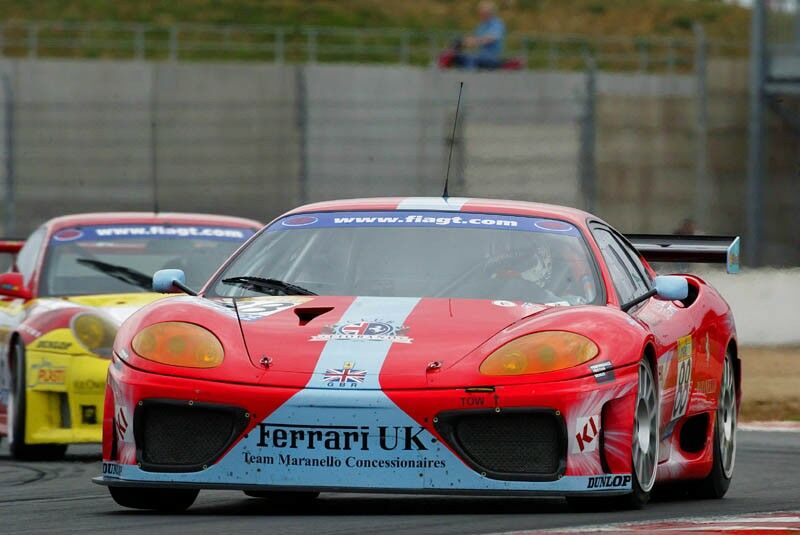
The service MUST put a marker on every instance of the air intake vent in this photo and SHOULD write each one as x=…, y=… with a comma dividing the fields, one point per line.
x=174, y=436
x=516, y=444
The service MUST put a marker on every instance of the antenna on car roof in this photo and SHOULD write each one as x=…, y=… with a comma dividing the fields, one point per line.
x=445, y=194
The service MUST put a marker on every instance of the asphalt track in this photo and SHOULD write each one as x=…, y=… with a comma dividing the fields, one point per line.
x=60, y=498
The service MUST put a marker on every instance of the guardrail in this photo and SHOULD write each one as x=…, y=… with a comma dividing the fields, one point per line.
x=333, y=44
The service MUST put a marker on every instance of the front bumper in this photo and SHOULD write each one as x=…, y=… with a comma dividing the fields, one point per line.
x=370, y=440
x=64, y=398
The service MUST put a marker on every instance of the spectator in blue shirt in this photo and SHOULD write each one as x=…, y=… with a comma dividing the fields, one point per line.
x=488, y=39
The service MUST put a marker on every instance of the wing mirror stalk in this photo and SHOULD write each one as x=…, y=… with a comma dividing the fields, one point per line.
x=666, y=287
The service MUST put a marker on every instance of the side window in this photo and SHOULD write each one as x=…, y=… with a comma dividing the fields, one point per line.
x=631, y=259
x=29, y=254
x=614, y=256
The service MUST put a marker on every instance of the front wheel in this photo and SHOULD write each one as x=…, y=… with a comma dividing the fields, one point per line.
x=165, y=500
x=644, y=452
x=716, y=484
x=644, y=449
x=16, y=414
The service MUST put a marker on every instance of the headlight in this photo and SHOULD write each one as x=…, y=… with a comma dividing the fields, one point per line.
x=178, y=344
x=95, y=333
x=538, y=353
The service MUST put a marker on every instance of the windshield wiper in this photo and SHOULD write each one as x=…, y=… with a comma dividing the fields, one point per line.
x=122, y=273
x=286, y=288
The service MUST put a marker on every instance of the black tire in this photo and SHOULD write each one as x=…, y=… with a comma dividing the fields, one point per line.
x=157, y=499
x=716, y=484
x=284, y=497
x=16, y=445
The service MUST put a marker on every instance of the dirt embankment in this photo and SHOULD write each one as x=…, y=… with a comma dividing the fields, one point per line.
x=770, y=383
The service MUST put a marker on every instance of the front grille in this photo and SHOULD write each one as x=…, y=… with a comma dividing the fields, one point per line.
x=513, y=444
x=174, y=436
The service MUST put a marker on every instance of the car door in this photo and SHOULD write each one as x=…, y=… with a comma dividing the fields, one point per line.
x=674, y=326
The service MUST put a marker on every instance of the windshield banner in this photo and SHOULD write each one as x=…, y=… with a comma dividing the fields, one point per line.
x=121, y=232
x=423, y=219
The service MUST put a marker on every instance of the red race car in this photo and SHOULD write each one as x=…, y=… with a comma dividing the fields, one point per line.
x=429, y=345
x=72, y=283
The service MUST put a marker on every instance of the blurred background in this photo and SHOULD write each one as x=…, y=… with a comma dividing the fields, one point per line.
x=658, y=115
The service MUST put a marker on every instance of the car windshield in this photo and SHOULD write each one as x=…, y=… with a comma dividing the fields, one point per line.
x=417, y=254
x=106, y=259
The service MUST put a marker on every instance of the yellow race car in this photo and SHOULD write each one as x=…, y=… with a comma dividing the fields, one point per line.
x=73, y=282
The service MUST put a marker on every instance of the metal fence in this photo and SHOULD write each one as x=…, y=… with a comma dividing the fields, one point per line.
x=773, y=190
x=114, y=40
x=255, y=140
x=643, y=150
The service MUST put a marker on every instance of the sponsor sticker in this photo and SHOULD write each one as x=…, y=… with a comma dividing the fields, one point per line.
x=54, y=345
x=251, y=309
x=345, y=377
x=122, y=232
x=364, y=330
x=88, y=386
x=403, y=218
x=603, y=371
x=89, y=414
x=299, y=221
x=45, y=373
x=683, y=383
x=112, y=470
x=553, y=225
x=32, y=331
x=588, y=434
x=707, y=386
x=290, y=444
x=620, y=481
x=122, y=423
x=69, y=234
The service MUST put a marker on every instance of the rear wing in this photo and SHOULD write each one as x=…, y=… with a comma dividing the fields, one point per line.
x=677, y=248
x=10, y=246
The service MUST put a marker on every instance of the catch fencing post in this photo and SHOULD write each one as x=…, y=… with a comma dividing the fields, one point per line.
x=702, y=197
x=756, y=132
x=10, y=220
x=301, y=116
x=173, y=43
x=138, y=43
x=280, y=46
x=33, y=40
x=405, y=47
x=311, y=49
x=588, y=138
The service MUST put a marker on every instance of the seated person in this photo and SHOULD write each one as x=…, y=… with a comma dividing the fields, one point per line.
x=488, y=39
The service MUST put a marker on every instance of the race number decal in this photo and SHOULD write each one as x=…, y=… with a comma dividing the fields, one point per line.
x=683, y=383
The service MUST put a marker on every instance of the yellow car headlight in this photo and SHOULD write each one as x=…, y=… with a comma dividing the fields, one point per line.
x=538, y=353
x=178, y=343
x=95, y=333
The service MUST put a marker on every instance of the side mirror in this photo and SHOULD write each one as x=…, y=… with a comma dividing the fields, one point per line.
x=164, y=281
x=671, y=287
x=12, y=284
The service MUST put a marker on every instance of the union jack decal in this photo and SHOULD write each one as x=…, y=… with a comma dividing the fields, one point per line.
x=345, y=375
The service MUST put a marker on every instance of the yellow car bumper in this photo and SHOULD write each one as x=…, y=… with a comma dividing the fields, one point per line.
x=64, y=398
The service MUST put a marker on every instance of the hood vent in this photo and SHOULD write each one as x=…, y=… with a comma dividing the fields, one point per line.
x=306, y=314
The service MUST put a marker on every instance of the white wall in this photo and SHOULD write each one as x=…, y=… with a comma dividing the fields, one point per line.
x=764, y=303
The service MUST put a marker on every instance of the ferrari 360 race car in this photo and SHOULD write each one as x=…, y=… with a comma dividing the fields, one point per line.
x=429, y=345
x=73, y=282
